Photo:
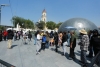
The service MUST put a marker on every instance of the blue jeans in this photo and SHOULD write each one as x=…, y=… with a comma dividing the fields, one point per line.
x=91, y=51
x=35, y=41
x=83, y=56
x=47, y=44
x=14, y=38
x=68, y=40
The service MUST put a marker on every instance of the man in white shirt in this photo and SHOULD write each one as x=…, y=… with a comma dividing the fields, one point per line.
x=38, y=43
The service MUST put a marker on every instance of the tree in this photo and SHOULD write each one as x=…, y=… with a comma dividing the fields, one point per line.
x=24, y=23
x=41, y=25
x=58, y=25
x=51, y=25
x=2, y=28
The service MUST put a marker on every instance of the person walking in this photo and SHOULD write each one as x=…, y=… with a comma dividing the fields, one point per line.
x=29, y=36
x=84, y=46
x=38, y=43
x=43, y=42
x=10, y=37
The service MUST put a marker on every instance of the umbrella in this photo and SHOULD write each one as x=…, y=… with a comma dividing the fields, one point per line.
x=70, y=28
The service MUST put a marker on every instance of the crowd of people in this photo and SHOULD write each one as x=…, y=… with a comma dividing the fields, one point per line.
x=9, y=35
x=89, y=41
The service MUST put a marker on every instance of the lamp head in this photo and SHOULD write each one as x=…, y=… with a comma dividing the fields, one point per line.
x=4, y=5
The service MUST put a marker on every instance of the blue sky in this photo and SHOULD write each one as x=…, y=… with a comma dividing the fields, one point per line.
x=57, y=10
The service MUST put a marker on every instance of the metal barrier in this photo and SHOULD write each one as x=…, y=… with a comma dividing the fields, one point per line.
x=5, y=64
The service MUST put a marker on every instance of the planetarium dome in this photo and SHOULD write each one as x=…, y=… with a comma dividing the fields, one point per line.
x=78, y=23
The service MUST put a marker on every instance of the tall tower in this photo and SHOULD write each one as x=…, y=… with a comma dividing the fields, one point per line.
x=43, y=18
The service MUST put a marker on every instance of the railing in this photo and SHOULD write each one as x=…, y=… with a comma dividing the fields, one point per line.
x=5, y=64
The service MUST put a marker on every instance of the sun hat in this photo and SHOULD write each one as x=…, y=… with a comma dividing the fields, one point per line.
x=83, y=31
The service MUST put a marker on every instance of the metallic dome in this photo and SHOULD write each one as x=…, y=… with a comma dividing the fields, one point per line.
x=78, y=23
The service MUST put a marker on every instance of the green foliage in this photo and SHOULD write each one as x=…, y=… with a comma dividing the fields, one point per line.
x=51, y=25
x=41, y=25
x=24, y=23
x=2, y=28
x=58, y=25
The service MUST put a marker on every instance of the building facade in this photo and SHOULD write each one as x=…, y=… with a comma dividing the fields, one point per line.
x=43, y=17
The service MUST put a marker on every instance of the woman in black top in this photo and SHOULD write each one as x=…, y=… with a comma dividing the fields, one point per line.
x=56, y=41
x=64, y=42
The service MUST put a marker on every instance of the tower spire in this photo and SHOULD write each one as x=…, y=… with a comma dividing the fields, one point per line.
x=44, y=11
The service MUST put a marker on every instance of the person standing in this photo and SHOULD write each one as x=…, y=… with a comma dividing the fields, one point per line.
x=72, y=46
x=47, y=40
x=0, y=35
x=95, y=42
x=19, y=33
x=5, y=33
x=15, y=35
x=35, y=38
x=60, y=35
x=56, y=41
x=84, y=46
x=64, y=42
x=51, y=38
x=68, y=38
x=38, y=43
x=90, y=55
x=10, y=37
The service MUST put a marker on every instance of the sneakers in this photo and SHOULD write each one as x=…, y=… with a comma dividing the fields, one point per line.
x=89, y=56
x=81, y=61
x=37, y=53
x=70, y=58
x=68, y=45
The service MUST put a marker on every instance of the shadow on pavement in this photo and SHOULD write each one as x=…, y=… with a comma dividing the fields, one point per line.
x=78, y=54
x=67, y=56
x=13, y=46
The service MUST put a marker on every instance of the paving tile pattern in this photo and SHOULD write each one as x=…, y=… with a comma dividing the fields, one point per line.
x=22, y=55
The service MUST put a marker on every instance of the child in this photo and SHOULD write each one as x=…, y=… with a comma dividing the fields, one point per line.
x=43, y=42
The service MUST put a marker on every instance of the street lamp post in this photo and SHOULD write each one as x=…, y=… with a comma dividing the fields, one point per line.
x=0, y=14
x=0, y=10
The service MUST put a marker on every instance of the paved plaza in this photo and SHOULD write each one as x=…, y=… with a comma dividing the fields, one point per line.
x=22, y=55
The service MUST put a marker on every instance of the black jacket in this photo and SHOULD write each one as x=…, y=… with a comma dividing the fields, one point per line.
x=64, y=38
x=29, y=35
x=95, y=41
x=56, y=39
x=10, y=34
